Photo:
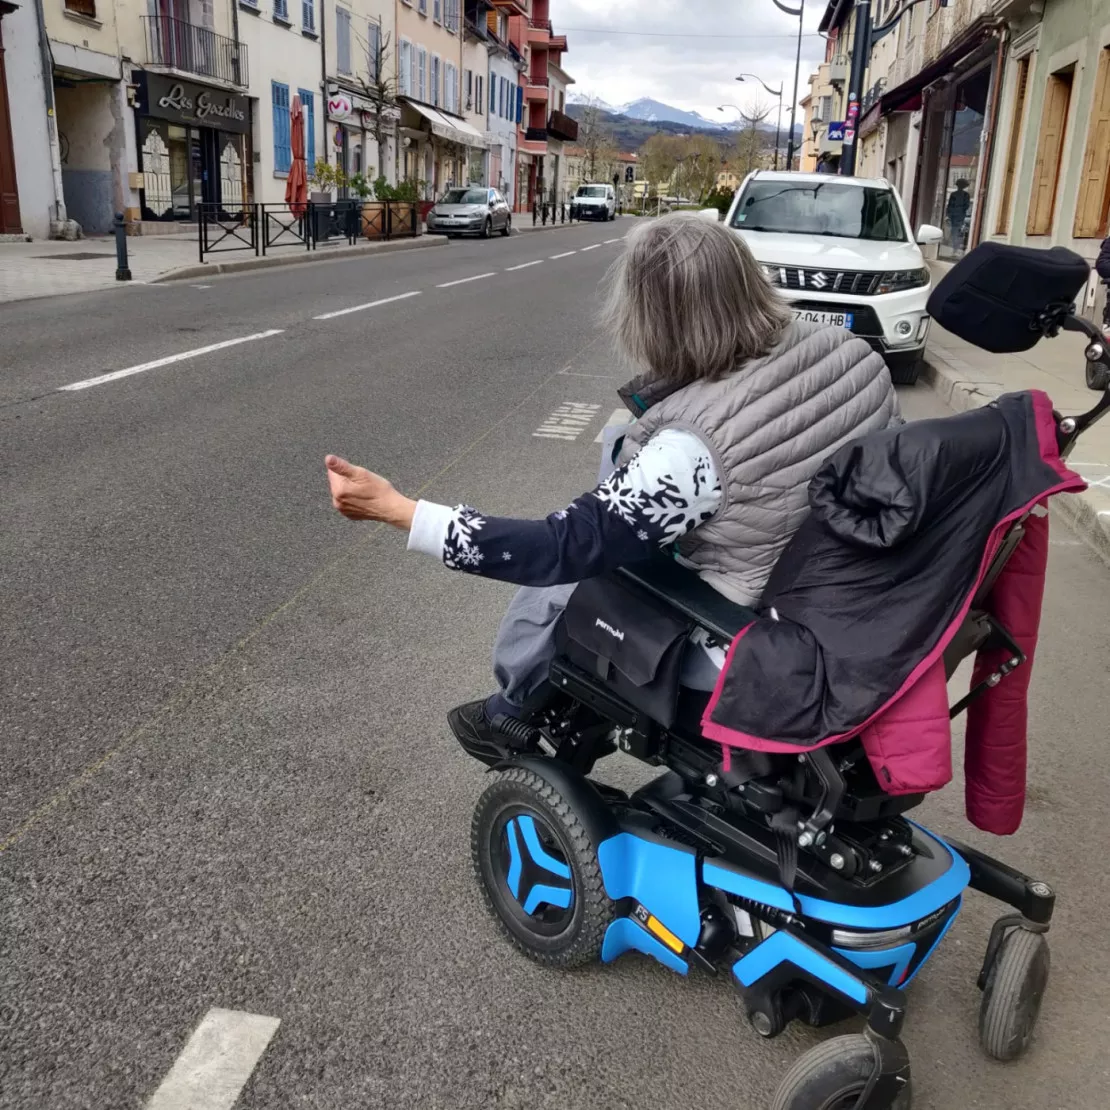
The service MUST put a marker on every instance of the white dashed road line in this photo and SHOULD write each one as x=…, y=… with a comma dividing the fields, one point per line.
x=565, y=254
x=169, y=359
x=463, y=281
x=216, y=1062
x=591, y=247
x=617, y=240
x=523, y=266
x=372, y=304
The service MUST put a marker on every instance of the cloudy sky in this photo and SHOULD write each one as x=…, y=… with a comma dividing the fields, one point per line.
x=686, y=52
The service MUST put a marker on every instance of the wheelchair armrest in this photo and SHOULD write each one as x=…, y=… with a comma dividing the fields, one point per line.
x=685, y=591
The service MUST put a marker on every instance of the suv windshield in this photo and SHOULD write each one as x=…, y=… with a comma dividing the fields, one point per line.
x=591, y=191
x=824, y=208
x=465, y=196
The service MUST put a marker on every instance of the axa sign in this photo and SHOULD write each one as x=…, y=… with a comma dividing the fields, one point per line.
x=836, y=131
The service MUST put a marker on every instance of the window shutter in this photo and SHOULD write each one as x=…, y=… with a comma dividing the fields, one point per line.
x=1021, y=88
x=414, y=77
x=422, y=74
x=493, y=94
x=437, y=11
x=308, y=102
x=1094, y=190
x=374, y=41
x=343, y=39
x=1046, y=175
x=283, y=152
x=519, y=104
x=403, y=54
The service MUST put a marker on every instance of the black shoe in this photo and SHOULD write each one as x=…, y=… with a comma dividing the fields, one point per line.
x=475, y=732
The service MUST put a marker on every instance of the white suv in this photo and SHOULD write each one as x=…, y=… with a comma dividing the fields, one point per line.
x=839, y=250
x=594, y=202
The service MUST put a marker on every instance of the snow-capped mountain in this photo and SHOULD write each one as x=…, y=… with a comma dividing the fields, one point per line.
x=585, y=98
x=654, y=111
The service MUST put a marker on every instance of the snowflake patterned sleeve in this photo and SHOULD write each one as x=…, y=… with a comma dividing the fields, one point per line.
x=665, y=491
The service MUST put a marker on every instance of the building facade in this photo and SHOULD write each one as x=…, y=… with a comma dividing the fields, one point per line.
x=437, y=145
x=506, y=63
x=31, y=199
x=360, y=51
x=562, y=130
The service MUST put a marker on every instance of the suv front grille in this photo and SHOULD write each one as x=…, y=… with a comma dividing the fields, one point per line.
x=862, y=283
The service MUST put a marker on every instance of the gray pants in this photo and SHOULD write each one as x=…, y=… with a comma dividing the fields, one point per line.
x=525, y=646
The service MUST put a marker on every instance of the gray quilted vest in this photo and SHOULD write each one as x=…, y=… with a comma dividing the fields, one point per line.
x=769, y=425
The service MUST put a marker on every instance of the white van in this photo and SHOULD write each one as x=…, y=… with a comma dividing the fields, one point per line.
x=594, y=202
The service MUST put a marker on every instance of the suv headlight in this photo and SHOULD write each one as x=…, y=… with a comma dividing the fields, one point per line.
x=894, y=281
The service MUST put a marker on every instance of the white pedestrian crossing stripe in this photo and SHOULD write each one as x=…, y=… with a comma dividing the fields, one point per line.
x=568, y=421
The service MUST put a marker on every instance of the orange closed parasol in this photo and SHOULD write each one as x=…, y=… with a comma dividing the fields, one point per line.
x=296, y=186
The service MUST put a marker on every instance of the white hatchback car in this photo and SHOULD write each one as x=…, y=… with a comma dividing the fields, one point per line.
x=840, y=251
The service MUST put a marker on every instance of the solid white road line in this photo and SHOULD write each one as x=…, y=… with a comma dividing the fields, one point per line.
x=169, y=359
x=523, y=266
x=361, y=307
x=618, y=418
x=565, y=254
x=216, y=1062
x=463, y=281
x=592, y=247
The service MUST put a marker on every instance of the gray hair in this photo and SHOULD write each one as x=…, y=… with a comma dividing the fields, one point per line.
x=688, y=300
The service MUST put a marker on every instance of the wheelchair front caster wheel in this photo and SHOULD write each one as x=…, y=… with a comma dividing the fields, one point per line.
x=538, y=870
x=1012, y=994
x=832, y=1076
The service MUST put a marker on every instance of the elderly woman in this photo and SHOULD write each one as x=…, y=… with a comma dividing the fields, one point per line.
x=737, y=408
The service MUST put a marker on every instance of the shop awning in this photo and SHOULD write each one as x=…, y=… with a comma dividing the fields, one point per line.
x=449, y=127
x=907, y=96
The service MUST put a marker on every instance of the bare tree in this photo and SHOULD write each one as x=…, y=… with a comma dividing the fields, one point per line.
x=595, y=137
x=380, y=90
x=658, y=160
x=751, y=139
x=699, y=165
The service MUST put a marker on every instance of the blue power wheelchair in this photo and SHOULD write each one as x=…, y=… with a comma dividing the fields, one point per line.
x=795, y=876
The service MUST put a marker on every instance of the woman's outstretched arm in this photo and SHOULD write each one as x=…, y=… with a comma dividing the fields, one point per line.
x=670, y=487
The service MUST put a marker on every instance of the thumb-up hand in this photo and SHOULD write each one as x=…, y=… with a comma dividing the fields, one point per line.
x=360, y=494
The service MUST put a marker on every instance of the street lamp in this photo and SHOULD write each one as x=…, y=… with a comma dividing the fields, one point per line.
x=778, y=119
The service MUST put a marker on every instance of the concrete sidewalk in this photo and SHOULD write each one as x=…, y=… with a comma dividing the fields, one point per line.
x=967, y=377
x=50, y=268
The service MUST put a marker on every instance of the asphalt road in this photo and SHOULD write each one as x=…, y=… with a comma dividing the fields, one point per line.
x=226, y=779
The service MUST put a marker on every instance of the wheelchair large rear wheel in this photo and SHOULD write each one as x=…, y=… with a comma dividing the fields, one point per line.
x=832, y=1076
x=538, y=870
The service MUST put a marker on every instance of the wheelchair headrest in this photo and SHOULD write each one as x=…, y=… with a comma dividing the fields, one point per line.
x=997, y=296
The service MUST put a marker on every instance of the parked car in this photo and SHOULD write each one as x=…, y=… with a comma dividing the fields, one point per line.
x=840, y=251
x=594, y=202
x=475, y=210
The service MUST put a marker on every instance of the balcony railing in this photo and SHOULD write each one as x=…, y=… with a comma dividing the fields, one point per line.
x=192, y=49
x=539, y=80
x=536, y=135
x=540, y=24
x=563, y=127
x=872, y=95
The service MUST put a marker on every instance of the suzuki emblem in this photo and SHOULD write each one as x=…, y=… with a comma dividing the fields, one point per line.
x=818, y=280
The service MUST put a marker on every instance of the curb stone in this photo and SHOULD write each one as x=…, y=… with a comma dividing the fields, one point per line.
x=328, y=254
x=1087, y=514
